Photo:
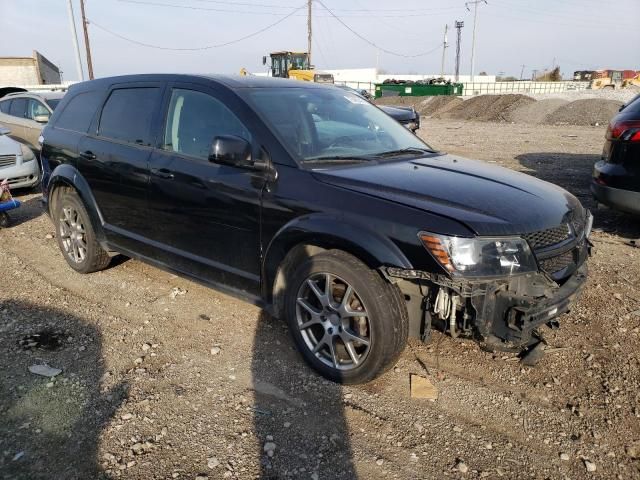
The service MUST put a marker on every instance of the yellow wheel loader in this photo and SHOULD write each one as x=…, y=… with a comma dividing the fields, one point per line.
x=295, y=65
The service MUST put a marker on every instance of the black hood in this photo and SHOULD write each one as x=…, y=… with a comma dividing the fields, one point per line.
x=488, y=199
x=399, y=113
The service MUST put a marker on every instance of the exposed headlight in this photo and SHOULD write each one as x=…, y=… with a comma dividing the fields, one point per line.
x=480, y=256
x=27, y=154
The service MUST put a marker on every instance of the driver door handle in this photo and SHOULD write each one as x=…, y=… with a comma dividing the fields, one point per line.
x=88, y=155
x=163, y=173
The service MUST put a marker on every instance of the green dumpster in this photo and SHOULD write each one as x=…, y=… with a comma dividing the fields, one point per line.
x=416, y=90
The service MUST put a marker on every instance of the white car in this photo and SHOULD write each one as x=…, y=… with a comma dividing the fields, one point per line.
x=18, y=164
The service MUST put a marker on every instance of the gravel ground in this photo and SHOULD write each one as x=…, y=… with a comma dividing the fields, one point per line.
x=164, y=378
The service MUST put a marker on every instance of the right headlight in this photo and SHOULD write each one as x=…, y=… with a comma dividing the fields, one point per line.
x=480, y=256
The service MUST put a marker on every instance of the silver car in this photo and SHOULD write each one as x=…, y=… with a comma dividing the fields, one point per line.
x=26, y=114
x=18, y=164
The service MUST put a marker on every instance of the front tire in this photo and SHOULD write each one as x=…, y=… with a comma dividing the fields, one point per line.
x=76, y=237
x=348, y=322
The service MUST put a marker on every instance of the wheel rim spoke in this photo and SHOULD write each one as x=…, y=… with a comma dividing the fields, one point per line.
x=352, y=352
x=351, y=337
x=322, y=298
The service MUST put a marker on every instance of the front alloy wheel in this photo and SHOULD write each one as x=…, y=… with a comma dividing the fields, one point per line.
x=347, y=321
x=333, y=321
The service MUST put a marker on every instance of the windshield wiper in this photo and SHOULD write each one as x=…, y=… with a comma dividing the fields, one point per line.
x=338, y=159
x=401, y=151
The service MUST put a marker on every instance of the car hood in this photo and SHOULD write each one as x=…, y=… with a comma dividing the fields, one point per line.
x=8, y=146
x=488, y=199
x=399, y=113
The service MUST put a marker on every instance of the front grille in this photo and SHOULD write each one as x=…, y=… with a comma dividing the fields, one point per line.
x=557, y=263
x=546, y=238
x=7, y=160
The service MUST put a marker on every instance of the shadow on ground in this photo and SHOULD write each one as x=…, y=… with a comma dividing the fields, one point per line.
x=573, y=172
x=50, y=430
x=297, y=410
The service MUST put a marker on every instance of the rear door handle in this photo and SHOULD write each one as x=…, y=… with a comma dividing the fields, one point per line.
x=88, y=154
x=163, y=173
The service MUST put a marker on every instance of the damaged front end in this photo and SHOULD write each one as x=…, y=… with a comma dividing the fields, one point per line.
x=502, y=312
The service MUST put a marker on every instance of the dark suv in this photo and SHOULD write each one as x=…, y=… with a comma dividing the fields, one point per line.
x=310, y=201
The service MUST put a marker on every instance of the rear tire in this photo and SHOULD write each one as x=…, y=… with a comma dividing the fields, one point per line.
x=75, y=235
x=5, y=221
x=347, y=340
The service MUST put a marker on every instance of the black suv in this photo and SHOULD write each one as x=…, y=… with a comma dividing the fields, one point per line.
x=314, y=203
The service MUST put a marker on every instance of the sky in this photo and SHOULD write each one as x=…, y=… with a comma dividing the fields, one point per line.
x=399, y=37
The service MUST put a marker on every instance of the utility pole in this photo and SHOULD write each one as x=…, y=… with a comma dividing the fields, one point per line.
x=475, y=21
x=444, y=49
x=309, y=2
x=533, y=75
x=458, y=26
x=522, y=71
x=74, y=35
x=86, y=41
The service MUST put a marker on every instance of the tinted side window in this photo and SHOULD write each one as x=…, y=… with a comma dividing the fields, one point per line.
x=79, y=112
x=128, y=114
x=18, y=107
x=194, y=119
x=4, y=106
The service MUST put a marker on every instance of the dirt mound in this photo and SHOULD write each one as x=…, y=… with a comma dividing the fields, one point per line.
x=490, y=108
x=437, y=105
x=591, y=111
x=535, y=112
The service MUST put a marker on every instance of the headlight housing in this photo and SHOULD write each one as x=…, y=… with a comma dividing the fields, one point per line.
x=480, y=256
x=27, y=154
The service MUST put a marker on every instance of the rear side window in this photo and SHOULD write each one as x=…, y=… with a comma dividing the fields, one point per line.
x=634, y=106
x=4, y=106
x=79, y=112
x=18, y=107
x=128, y=114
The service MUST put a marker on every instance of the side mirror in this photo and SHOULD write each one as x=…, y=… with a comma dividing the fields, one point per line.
x=41, y=118
x=231, y=150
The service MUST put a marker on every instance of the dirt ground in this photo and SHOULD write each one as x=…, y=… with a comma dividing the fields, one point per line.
x=164, y=378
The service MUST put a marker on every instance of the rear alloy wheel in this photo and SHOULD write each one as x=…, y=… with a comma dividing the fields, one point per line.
x=347, y=321
x=76, y=237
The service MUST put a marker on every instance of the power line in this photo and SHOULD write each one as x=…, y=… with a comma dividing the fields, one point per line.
x=361, y=37
x=361, y=9
x=251, y=12
x=208, y=47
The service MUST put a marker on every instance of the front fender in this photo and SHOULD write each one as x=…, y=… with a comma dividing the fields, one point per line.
x=66, y=175
x=326, y=231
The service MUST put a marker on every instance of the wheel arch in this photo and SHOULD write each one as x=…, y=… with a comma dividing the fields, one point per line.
x=309, y=235
x=68, y=177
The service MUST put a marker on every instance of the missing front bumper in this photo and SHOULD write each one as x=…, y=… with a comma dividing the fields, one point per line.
x=500, y=314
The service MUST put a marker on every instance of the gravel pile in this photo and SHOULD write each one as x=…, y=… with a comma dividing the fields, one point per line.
x=437, y=105
x=592, y=111
x=622, y=95
x=566, y=108
x=489, y=108
x=535, y=112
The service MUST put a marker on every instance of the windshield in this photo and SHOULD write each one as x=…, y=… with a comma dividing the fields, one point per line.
x=332, y=125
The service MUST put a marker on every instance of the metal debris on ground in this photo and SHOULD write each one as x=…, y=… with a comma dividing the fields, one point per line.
x=45, y=370
x=532, y=356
